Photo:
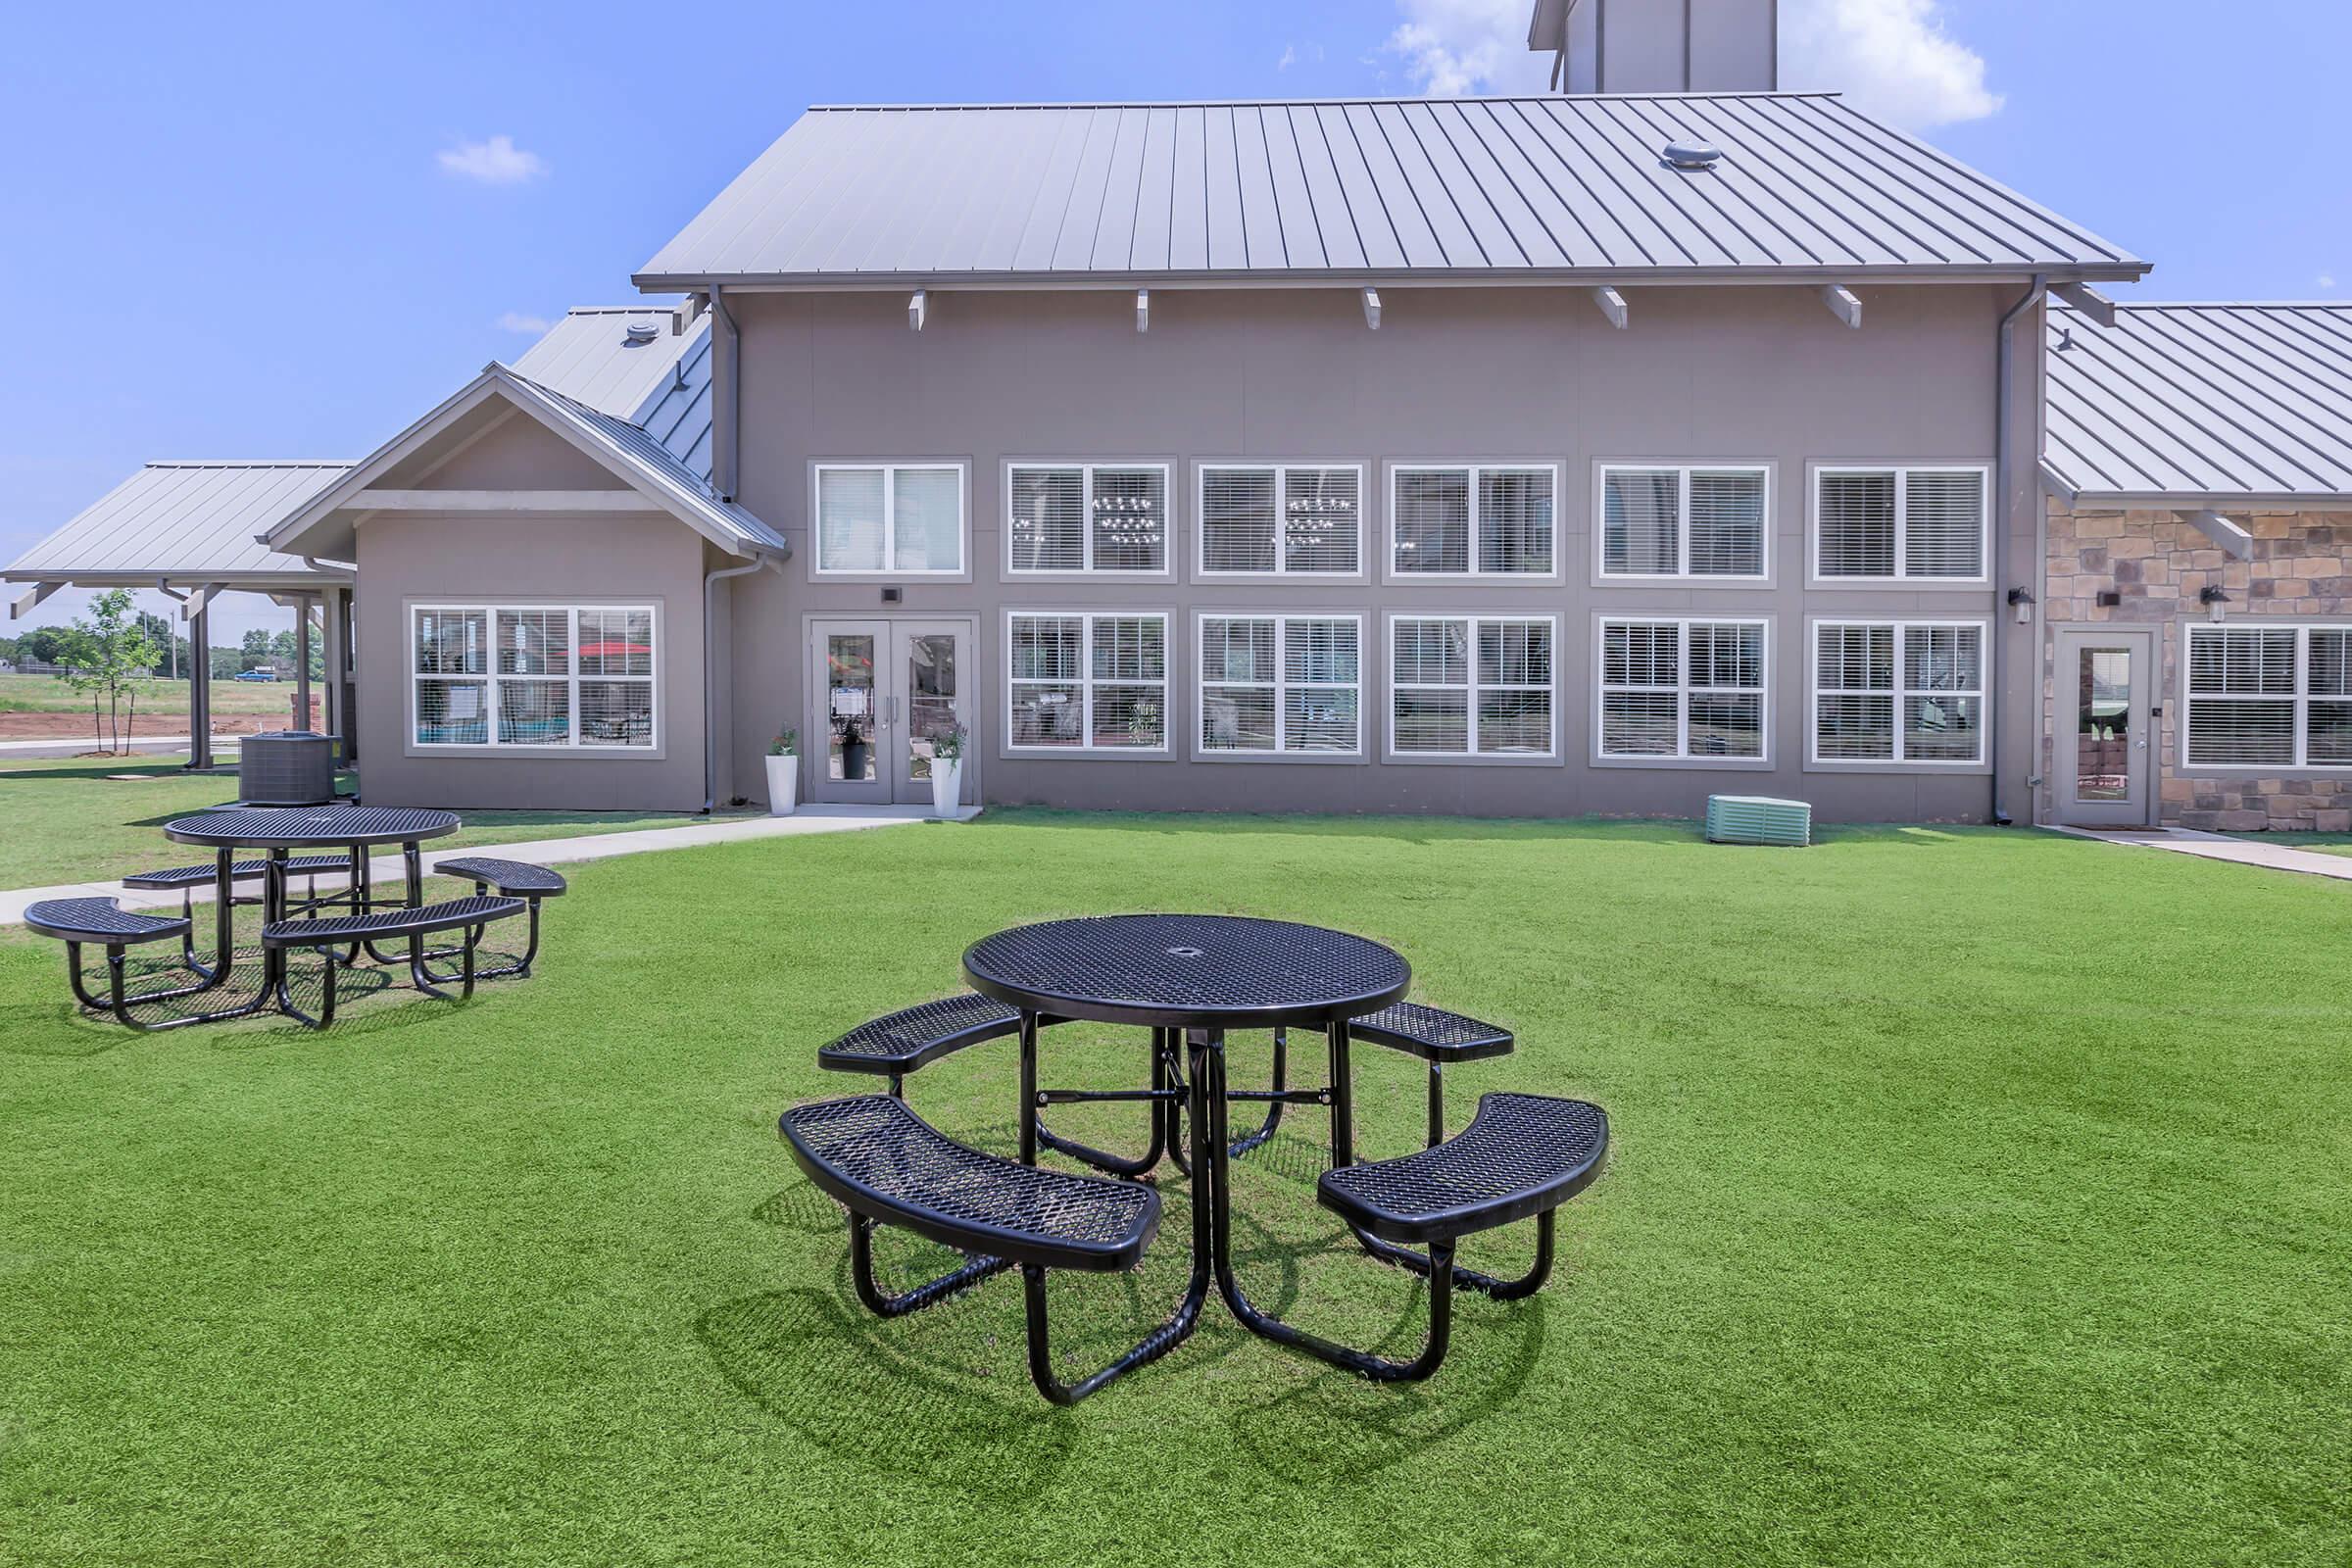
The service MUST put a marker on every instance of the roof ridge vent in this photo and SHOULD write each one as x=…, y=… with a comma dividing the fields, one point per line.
x=1692, y=157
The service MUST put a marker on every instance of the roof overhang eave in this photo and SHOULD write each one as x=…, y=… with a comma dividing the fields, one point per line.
x=2221, y=501
x=176, y=577
x=2122, y=269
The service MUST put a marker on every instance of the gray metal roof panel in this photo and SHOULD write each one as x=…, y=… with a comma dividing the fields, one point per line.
x=1465, y=188
x=588, y=356
x=2203, y=402
x=185, y=521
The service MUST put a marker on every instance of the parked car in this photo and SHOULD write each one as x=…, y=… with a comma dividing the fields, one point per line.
x=258, y=674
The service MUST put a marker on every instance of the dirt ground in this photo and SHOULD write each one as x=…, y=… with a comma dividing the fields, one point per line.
x=78, y=727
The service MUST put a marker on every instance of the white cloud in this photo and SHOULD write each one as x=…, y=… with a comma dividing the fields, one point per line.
x=1289, y=58
x=1891, y=58
x=496, y=161
x=2326, y=280
x=517, y=322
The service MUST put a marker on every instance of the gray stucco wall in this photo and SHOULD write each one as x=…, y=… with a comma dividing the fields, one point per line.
x=1704, y=375
x=521, y=558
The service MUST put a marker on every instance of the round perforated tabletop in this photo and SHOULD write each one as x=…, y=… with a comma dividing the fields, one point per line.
x=1200, y=971
x=309, y=828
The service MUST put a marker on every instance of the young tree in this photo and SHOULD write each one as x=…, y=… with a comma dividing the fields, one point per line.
x=254, y=649
x=109, y=656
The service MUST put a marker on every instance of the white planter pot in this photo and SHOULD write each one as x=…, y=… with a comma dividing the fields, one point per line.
x=947, y=786
x=783, y=785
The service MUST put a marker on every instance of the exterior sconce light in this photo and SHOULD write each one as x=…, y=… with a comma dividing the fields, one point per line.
x=2022, y=603
x=2213, y=599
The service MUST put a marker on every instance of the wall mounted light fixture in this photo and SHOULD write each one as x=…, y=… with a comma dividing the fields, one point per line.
x=2212, y=597
x=2022, y=603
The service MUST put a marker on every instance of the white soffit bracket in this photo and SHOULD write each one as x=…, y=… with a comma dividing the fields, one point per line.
x=917, y=307
x=1143, y=310
x=1844, y=304
x=2089, y=301
x=2221, y=531
x=1372, y=308
x=24, y=602
x=1612, y=305
x=197, y=598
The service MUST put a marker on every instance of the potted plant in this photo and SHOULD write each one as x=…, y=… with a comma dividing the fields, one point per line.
x=784, y=772
x=947, y=767
x=853, y=748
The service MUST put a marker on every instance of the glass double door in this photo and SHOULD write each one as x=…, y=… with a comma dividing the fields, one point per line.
x=883, y=692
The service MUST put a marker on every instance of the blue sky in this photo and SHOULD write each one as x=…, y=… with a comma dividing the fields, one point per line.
x=233, y=232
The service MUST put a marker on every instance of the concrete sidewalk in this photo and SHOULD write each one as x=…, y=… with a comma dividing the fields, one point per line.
x=2220, y=847
x=385, y=869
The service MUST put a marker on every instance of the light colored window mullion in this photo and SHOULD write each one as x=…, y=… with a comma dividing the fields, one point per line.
x=2302, y=712
x=1682, y=663
x=1282, y=695
x=1282, y=517
x=1472, y=556
x=1683, y=529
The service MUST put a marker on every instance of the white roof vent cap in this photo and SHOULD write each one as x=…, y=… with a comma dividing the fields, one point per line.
x=643, y=331
x=1694, y=157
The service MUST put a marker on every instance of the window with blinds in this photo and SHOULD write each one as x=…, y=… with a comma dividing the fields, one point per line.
x=2270, y=696
x=1901, y=524
x=1272, y=684
x=1909, y=692
x=1106, y=519
x=1684, y=523
x=1471, y=520
x=537, y=676
x=1083, y=682
x=904, y=521
x=1471, y=686
x=1684, y=690
x=1281, y=519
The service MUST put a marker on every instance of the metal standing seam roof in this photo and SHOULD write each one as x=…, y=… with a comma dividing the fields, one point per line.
x=1493, y=190
x=2212, y=403
x=187, y=520
x=662, y=385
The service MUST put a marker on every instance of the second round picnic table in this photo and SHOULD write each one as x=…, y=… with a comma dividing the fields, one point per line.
x=1189, y=979
x=278, y=832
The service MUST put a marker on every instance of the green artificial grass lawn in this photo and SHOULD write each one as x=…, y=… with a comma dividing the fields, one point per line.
x=93, y=820
x=2325, y=843
x=1978, y=1199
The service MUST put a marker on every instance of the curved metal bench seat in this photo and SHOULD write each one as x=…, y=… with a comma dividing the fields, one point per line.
x=176, y=877
x=1521, y=1156
x=514, y=879
x=1431, y=1033
x=100, y=921
x=878, y=1159
x=469, y=916
x=914, y=1037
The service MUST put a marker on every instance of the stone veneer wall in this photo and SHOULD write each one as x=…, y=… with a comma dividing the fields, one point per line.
x=2302, y=567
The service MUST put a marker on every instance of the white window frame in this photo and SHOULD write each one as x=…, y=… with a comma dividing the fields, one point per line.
x=1474, y=468
x=1085, y=467
x=1281, y=469
x=1815, y=473
x=890, y=470
x=2301, y=698
x=1281, y=686
x=1087, y=682
x=1685, y=469
x=1390, y=686
x=572, y=745
x=1901, y=693
x=1684, y=690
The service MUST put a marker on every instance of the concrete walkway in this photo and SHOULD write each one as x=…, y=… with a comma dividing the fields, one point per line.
x=2218, y=847
x=385, y=869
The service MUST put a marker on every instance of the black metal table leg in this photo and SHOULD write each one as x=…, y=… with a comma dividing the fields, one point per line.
x=1028, y=1122
x=1343, y=1099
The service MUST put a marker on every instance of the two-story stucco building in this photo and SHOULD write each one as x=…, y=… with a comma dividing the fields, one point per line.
x=1584, y=454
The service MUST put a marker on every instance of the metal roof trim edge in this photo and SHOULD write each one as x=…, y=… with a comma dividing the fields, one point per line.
x=2129, y=271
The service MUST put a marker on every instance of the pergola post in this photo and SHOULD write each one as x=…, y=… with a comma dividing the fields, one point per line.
x=336, y=629
x=302, y=662
x=200, y=689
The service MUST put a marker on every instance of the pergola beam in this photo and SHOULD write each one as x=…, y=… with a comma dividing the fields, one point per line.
x=2089, y=301
x=1143, y=310
x=2221, y=531
x=1844, y=304
x=1372, y=308
x=918, y=309
x=193, y=606
x=1612, y=305
x=23, y=604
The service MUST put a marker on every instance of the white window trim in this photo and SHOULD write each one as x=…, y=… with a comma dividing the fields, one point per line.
x=1087, y=682
x=1389, y=686
x=1902, y=471
x=1686, y=468
x=1085, y=467
x=1474, y=468
x=492, y=746
x=1898, y=763
x=1683, y=690
x=1280, y=686
x=2302, y=698
x=1280, y=467
x=889, y=469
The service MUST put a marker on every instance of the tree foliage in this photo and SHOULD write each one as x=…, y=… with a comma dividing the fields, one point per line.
x=110, y=655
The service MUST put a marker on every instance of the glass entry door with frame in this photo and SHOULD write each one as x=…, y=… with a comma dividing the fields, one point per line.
x=2106, y=711
x=881, y=691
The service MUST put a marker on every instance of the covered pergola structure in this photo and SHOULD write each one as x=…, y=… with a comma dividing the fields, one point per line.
x=189, y=530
